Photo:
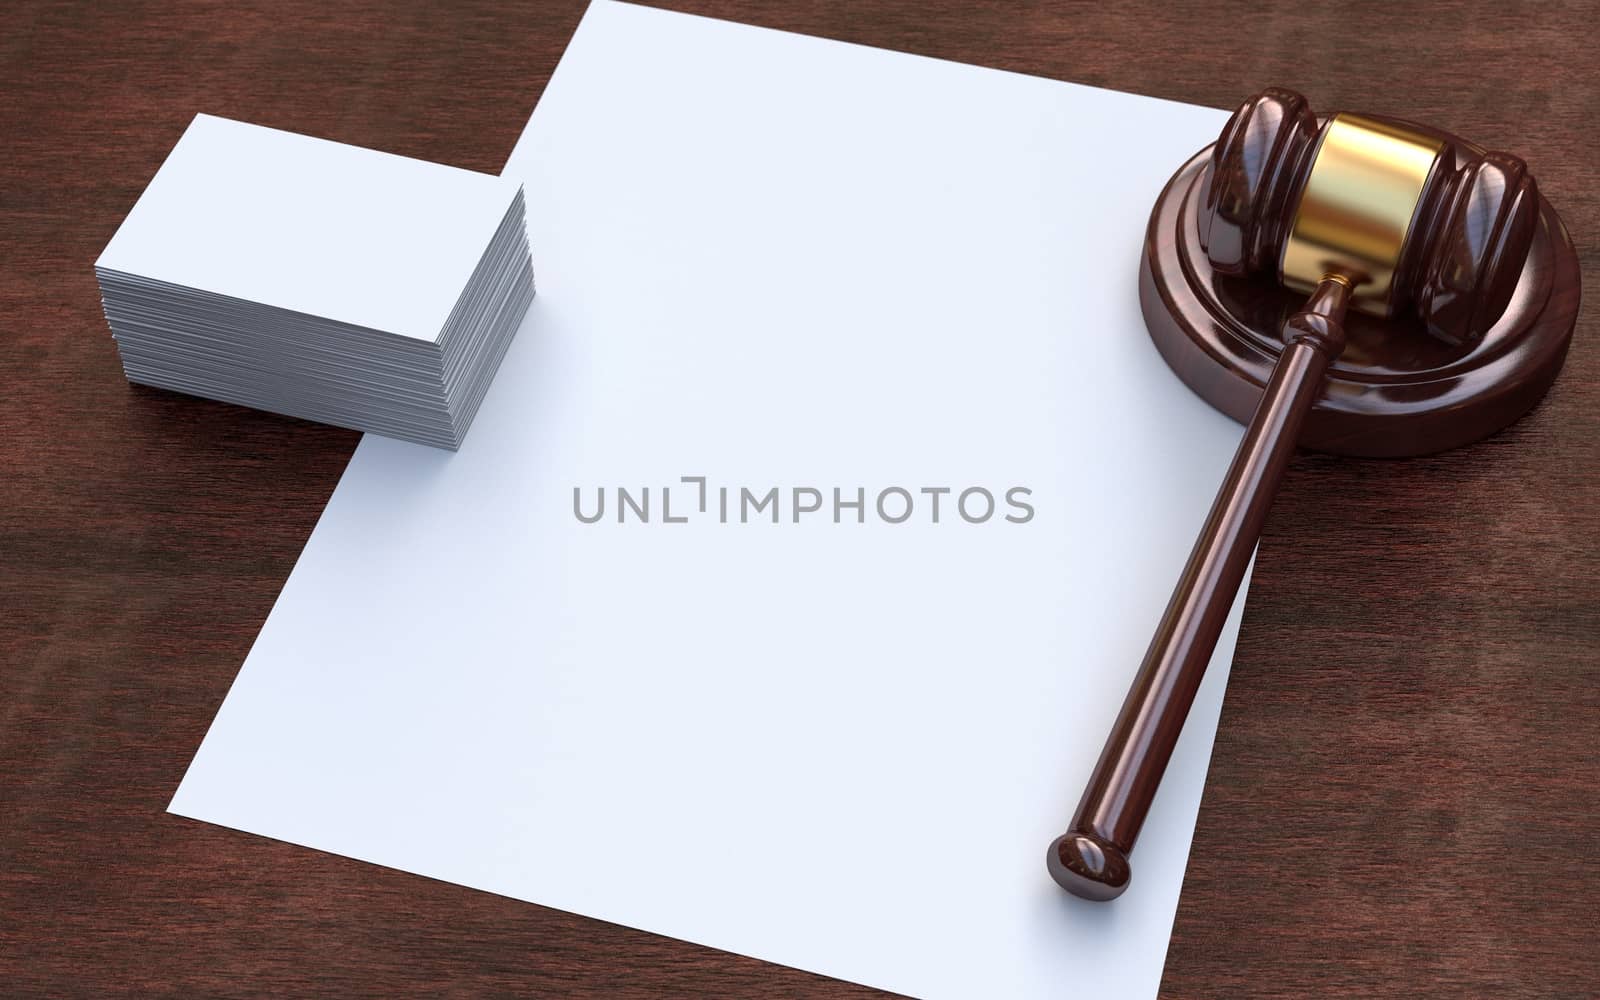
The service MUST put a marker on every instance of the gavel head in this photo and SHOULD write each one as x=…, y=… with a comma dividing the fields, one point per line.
x=1421, y=222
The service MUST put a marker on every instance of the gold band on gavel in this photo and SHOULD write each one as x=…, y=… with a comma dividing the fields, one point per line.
x=1357, y=208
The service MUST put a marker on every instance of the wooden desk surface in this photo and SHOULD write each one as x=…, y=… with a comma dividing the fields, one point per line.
x=1405, y=795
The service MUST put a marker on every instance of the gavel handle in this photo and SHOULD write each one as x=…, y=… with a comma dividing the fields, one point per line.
x=1091, y=858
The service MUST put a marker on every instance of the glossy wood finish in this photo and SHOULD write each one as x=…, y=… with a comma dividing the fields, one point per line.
x=1463, y=215
x=1396, y=391
x=1413, y=700
x=1091, y=858
x=1464, y=247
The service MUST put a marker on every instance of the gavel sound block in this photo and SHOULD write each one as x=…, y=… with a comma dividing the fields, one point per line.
x=1443, y=290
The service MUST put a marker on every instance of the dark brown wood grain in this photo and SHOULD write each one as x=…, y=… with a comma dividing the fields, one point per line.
x=1405, y=795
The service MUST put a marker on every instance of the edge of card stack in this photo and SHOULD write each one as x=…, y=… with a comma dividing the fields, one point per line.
x=203, y=343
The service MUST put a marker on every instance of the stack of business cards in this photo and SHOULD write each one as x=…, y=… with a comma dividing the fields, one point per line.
x=319, y=280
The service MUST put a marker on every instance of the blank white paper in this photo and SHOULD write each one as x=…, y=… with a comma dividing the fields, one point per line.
x=319, y=227
x=773, y=261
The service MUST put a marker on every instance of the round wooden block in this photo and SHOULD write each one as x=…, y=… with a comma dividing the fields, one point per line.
x=1395, y=391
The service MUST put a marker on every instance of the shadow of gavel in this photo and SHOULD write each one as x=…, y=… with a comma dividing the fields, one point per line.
x=1377, y=216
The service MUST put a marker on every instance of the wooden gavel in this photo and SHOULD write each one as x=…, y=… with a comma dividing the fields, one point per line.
x=1397, y=221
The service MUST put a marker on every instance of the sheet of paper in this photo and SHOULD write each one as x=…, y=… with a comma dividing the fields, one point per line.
x=773, y=261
